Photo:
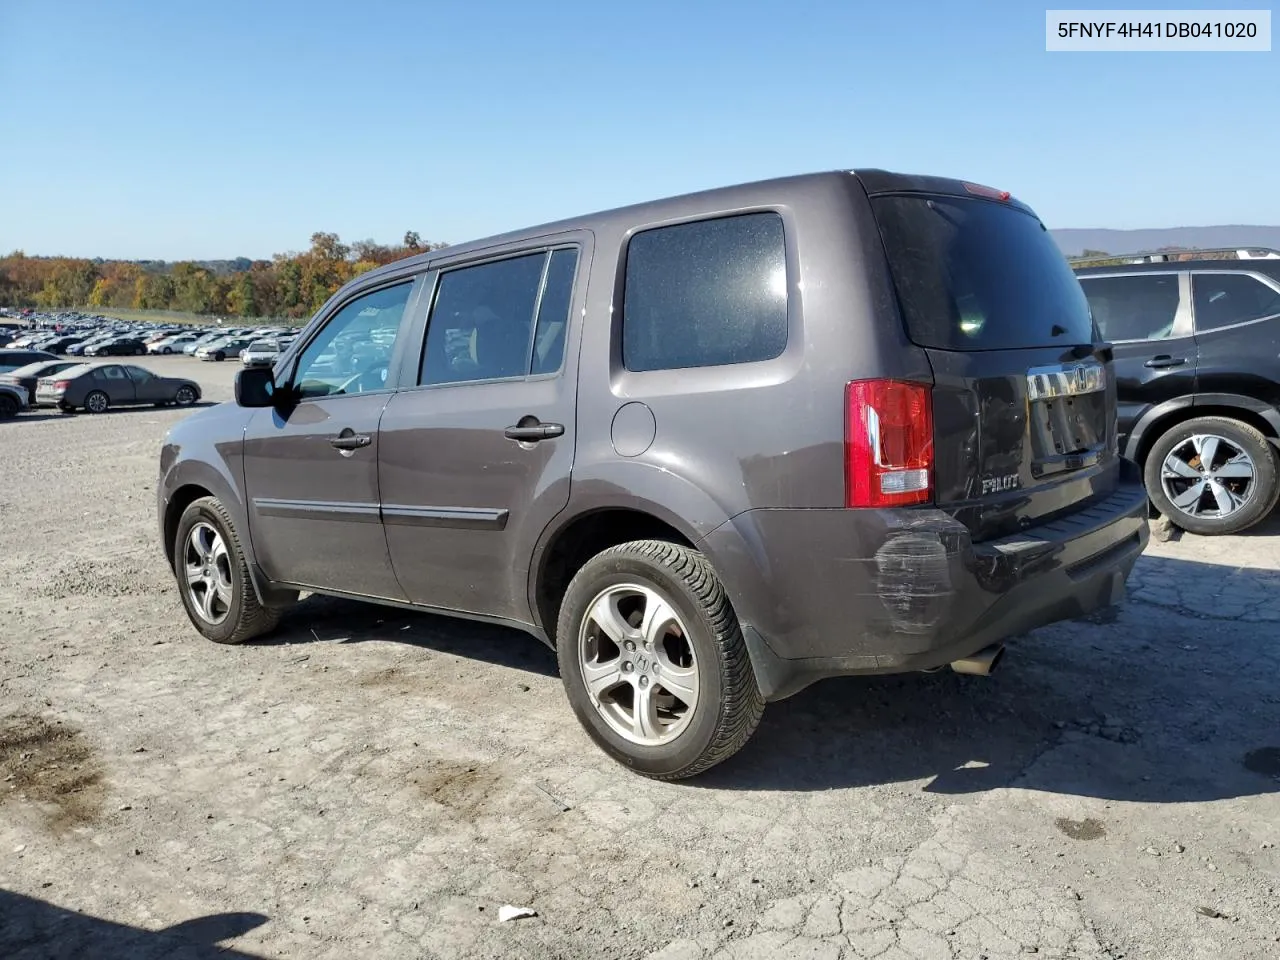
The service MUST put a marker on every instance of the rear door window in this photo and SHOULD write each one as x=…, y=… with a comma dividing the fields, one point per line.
x=976, y=274
x=705, y=294
x=1136, y=307
x=1225, y=299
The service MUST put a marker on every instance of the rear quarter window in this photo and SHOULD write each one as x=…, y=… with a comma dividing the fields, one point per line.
x=705, y=294
x=976, y=274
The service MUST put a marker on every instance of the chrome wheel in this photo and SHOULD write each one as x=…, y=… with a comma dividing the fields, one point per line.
x=184, y=397
x=96, y=402
x=638, y=664
x=207, y=566
x=1208, y=476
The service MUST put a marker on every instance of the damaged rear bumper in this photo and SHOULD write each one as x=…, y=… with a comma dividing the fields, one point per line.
x=823, y=593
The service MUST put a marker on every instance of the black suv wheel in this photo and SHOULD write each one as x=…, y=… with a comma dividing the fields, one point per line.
x=1212, y=475
x=653, y=660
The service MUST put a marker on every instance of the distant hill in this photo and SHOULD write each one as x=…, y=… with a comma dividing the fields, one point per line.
x=1074, y=242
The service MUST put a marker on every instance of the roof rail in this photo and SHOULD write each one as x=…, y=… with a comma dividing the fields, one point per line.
x=1167, y=256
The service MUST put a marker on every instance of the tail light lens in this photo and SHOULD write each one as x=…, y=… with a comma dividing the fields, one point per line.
x=61, y=385
x=888, y=443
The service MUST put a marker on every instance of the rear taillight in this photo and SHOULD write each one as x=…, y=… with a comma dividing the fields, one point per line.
x=888, y=443
x=61, y=385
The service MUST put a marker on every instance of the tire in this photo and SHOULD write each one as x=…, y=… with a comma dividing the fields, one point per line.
x=728, y=704
x=219, y=357
x=1246, y=448
x=8, y=407
x=237, y=615
x=97, y=402
x=166, y=351
x=185, y=396
x=139, y=352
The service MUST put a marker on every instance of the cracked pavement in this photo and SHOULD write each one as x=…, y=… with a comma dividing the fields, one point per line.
x=374, y=783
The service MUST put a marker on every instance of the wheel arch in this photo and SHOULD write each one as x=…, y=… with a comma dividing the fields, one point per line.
x=577, y=537
x=1160, y=419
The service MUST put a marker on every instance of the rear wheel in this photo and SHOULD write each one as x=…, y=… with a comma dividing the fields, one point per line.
x=97, y=402
x=213, y=576
x=1212, y=476
x=653, y=660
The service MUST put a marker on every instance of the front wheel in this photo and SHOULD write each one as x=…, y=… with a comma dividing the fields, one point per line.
x=1212, y=476
x=213, y=577
x=8, y=407
x=653, y=660
x=185, y=396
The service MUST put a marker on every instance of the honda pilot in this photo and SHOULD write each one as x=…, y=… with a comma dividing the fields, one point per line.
x=710, y=449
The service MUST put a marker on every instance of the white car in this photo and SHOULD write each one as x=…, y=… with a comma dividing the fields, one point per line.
x=168, y=345
x=260, y=353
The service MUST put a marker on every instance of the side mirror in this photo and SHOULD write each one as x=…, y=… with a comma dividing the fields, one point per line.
x=255, y=387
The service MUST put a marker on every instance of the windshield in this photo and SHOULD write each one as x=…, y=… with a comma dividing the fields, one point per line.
x=978, y=275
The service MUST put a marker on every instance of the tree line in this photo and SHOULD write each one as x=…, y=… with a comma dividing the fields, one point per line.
x=289, y=285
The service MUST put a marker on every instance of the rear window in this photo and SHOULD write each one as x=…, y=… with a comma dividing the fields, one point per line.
x=979, y=275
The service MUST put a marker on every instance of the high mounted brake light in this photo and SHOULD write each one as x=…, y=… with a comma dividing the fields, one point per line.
x=888, y=443
x=991, y=193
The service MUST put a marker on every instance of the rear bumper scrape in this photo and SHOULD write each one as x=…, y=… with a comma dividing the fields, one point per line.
x=924, y=595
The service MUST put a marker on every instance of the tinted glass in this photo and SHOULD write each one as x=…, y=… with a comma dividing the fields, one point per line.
x=352, y=352
x=482, y=321
x=553, y=313
x=139, y=375
x=1135, y=307
x=1222, y=299
x=705, y=294
x=979, y=275
x=112, y=373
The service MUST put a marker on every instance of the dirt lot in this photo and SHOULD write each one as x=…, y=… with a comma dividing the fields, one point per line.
x=369, y=783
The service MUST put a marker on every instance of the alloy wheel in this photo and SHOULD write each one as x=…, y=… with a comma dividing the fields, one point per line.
x=638, y=664
x=207, y=566
x=1208, y=476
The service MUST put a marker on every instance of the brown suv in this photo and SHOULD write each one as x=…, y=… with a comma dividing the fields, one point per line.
x=710, y=448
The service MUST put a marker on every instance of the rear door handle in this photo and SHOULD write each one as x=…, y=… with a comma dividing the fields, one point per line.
x=532, y=432
x=1164, y=360
x=350, y=440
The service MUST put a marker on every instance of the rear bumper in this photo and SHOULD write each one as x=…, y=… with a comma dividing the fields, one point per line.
x=825, y=593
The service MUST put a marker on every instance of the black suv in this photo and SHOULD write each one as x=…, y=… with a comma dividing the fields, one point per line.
x=710, y=448
x=1197, y=361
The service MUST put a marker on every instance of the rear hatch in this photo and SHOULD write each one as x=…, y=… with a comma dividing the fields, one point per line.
x=1024, y=397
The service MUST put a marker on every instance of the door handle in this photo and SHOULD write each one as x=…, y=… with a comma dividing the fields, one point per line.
x=1164, y=360
x=350, y=440
x=530, y=430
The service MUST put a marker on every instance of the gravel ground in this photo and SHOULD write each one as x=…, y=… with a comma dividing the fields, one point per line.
x=371, y=783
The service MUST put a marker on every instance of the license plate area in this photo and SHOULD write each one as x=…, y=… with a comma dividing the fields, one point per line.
x=1067, y=416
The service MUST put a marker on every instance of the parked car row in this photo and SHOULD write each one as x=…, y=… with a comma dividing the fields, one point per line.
x=78, y=335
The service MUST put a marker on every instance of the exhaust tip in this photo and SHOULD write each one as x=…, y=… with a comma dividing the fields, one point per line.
x=980, y=664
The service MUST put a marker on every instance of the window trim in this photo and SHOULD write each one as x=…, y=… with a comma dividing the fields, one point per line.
x=285, y=368
x=1182, y=318
x=1265, y=280
x=791, y=269
x=579, y=241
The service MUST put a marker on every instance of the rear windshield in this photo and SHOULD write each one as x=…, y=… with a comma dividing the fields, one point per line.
x=979, y=275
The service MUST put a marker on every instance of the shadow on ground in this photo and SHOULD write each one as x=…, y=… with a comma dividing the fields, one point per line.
x=1178, y=710
x=32, y=929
